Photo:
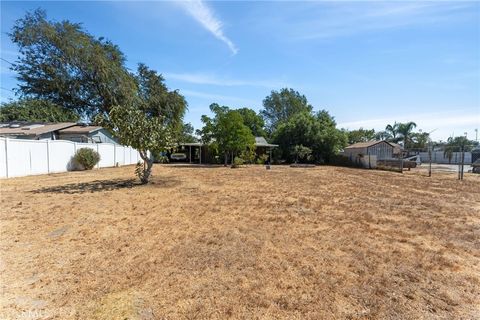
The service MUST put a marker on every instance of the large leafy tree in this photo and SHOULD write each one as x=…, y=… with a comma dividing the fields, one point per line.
x=226, y=132
x=254, y=121
x=329, y=140
x=62, y=63
x=32, y=110
x=315, y=131
x=419, y=140
x=279, y=106
x=360, y=135
x=186, y=134
x=151, y=122
x=232, y=135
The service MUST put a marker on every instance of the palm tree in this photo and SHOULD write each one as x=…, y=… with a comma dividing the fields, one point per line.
x=392, y=131
x=449, y=149
x=383, y=135
x=405, y=132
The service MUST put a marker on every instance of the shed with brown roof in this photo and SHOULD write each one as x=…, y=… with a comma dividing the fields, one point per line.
x=381, y=149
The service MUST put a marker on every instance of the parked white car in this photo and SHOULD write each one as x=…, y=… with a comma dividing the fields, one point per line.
x=178, y=156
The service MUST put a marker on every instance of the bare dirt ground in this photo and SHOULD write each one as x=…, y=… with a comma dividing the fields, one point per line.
x=218, y=243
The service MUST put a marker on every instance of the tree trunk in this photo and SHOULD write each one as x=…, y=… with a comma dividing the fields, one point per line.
x=147, y=167
x=147, y=170
x=226, y=163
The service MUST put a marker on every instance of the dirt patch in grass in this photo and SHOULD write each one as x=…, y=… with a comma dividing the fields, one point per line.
x=216, y=243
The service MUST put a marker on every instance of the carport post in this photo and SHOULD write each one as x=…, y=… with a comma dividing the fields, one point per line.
x=200, y=153
x=190, y=154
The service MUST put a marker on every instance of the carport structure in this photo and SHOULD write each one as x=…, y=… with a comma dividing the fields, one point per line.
x=194, y=151
x=198, y=152
x=263, y=147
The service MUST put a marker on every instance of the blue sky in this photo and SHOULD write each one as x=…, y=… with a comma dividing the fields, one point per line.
x=368, y=63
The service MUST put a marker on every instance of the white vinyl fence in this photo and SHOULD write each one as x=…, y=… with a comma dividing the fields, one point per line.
x=28, y=157
x=439, y=157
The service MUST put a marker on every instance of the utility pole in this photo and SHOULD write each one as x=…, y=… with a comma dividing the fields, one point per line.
x=462, y=160
x=430, y=147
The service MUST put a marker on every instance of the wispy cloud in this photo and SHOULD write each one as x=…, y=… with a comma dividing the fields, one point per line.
x=201, y=12
x=344, y=19
x=211, y=79
x=219, y=98
x=444, y=123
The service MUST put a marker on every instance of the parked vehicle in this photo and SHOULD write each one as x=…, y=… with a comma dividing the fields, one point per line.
x=476, y=166
x=178, y=156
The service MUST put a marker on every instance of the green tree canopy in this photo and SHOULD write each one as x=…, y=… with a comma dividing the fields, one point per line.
x=151, y=123
x=226, y=132
x=360, y=135
x=186, y=134
x=301, y=153
x=278, y=107
x=315, y=131
x=419, y=140
x=62, y=63
x=254, y=121
x=32, y=110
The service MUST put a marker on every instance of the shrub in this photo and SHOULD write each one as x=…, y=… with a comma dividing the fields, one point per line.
x=87, y=158
x=262, y=159
x=248, y=156
x=237, y=162
x=160, y=158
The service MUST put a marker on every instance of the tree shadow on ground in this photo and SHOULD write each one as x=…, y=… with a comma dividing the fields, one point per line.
x=90, y=186
x=195, y=165
x=106, y=185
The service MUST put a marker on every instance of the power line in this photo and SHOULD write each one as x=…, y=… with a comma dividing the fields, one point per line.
x=6, y=61
x=6, y=89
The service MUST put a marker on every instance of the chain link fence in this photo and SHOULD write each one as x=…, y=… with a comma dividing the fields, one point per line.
x=455, y=160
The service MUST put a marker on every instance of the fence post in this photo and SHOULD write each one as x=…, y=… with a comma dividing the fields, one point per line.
x=462, y=157
x=98, y=151
x=6, y=157
x=430, y=160
x=48, y=156
x=401, y=162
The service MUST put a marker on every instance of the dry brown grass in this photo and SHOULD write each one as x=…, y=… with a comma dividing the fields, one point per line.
x=219, y=243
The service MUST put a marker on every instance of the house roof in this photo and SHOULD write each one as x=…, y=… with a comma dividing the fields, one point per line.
x=261, y=142
x=366, y=144
x=31, y=128
x=192, y=144
x=79, y=129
